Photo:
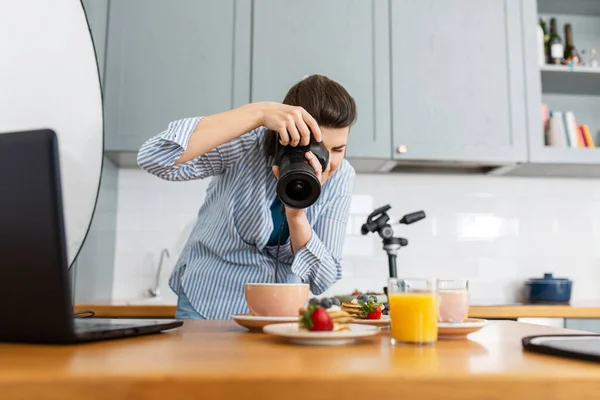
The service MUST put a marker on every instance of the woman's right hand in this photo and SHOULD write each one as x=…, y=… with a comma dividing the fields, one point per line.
x=294, y=124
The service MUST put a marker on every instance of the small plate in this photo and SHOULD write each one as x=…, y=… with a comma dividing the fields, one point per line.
x=293, y=334
x=256, y=324
x=383, y=322
x=459, y=330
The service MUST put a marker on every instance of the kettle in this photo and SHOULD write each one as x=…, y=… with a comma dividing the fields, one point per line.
x=548, y=289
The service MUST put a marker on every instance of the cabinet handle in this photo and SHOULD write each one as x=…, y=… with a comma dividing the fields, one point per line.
x=402, y=149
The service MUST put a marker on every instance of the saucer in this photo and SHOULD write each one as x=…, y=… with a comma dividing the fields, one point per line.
x=459, y=330
x=383, y=322
x=293, y=334
x=256, y=323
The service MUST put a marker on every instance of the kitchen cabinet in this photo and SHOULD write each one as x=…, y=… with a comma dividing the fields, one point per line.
x=561, y=88
x=96, y=12
x=346, y=40
x=457, y=81
x=167, y=61
x=588, y=325
x=438, y=83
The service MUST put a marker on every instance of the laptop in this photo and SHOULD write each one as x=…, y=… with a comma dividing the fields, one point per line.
x=35, y=292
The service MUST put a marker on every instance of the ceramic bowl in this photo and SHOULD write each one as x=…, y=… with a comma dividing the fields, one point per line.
x=276, y=299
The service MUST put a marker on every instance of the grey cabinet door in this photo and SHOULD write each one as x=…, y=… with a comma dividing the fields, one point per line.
x=170, y=60
x=588, y=325
x=346, y=40
x=96, y=12
x=457, y=80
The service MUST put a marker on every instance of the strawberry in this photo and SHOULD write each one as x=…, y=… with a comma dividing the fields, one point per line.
x=321, y=320
x=374, y=314
x=369, y=310
x=317, y=318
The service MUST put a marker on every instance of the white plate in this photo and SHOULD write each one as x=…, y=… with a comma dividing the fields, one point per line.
x=292, y=333
x=460, y=330
x=256, y=323
x=383, y=322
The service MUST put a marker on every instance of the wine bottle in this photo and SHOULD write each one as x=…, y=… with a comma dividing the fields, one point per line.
x=571, y=54
x=555, y=45
x=546, y=36
x=540, y=46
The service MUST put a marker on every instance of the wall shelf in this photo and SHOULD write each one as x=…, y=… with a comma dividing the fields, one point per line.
x=566, y=80
x=560, y=155
x=569, y=7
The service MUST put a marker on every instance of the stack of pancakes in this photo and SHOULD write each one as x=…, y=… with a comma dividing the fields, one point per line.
x=340, y=319
x=354, y=309
x=351, y=308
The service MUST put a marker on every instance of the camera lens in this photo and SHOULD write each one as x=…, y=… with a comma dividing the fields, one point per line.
x=298, y=190
x=298, y=186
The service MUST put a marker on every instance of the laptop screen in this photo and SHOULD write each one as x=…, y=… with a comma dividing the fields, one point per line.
x=34, y=289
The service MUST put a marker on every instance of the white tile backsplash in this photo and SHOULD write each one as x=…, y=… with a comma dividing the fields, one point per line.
x=495, y=231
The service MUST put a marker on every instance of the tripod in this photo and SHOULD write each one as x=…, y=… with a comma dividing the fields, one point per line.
x=377, y=221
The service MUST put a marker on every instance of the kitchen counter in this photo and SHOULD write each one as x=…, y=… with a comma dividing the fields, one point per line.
x=220, y=360
x=515, y=311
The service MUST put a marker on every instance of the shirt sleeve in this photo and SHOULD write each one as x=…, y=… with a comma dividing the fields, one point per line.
x=319, y=262
x=159, y=154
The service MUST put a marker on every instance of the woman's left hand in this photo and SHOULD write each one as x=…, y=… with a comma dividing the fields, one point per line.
x=314, y=162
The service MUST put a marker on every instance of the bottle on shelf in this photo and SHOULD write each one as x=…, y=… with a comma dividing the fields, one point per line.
x=584, y=58
x=592, y=59
x=546, y=37
x=540, y=46
x=555, y=45
x=571, y=55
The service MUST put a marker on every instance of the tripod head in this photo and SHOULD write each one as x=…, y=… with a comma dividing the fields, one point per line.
x=378, y=221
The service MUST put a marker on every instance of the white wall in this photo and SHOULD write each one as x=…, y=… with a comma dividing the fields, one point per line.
x=496, y=231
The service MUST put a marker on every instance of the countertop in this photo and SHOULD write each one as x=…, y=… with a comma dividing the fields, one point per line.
x=576, y=310
x=219, y=360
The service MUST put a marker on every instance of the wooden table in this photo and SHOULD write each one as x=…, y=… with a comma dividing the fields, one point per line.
x=219, y=360
x=577, y=310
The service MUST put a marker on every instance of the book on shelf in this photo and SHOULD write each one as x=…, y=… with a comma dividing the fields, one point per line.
x=587, y=137
x=571, y=129
x=561, y=129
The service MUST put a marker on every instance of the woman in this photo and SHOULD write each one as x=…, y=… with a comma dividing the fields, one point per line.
x=235, y=238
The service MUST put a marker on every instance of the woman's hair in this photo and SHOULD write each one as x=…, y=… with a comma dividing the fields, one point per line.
x=323, y=98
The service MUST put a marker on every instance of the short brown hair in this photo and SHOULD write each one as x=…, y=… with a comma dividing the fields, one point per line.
x=323, y=98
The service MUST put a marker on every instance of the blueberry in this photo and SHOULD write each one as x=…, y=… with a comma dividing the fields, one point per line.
x=335, y=301
x=364, y=298
x=325, y=303
x=314, y=301
x=374, y=298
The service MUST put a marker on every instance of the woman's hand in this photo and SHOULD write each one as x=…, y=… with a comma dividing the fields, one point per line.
x=294, y=124
x=313, y=161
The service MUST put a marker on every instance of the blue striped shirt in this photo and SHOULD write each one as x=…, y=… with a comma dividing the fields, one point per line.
x=228, y=244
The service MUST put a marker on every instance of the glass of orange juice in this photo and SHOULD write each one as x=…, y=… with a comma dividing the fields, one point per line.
x=413, y=310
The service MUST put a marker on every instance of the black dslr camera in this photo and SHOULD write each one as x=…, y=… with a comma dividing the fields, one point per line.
x=298, y=185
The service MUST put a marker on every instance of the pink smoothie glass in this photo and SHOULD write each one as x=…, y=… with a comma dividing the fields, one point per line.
x=453, y=300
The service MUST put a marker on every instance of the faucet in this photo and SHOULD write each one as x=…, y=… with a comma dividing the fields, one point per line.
x=155, y=291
